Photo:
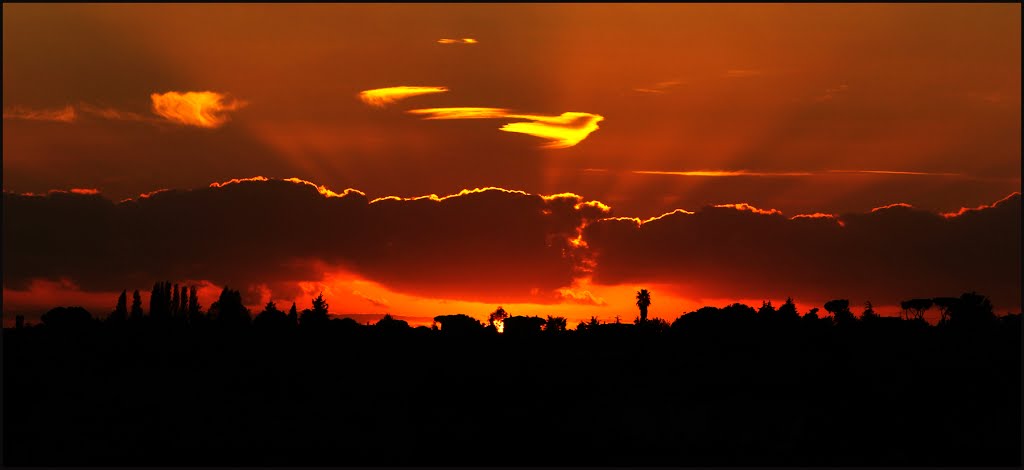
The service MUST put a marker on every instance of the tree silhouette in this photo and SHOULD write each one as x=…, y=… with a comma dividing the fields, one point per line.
x=136, y=305
x=459, y=324
x=554, y=324
x=767, y=310
x=523, y=325
x=869, y=312
x=318, y=315
x=643, y=300
x=293, y=316
x=497, y=319
x=945, y=304
x=270, y=318
x=840, y=310
x=917, y=307
x=67, y=318
x=390, y=324
x=788, y=310
x=120, y=312
x=229, y=311
x=175, y=300
x=811, y=314
x=972, y=310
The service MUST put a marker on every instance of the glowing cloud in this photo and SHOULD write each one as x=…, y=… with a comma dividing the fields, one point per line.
x=892, y=206
x=65, y=114
x=195, y=108
x=461, y=113
x=965, y=210
x=381, y=97
x=457, y=41
x=564, y=130
x=747, y=207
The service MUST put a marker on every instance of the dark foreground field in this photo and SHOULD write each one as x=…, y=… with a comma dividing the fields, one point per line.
x=895, y=393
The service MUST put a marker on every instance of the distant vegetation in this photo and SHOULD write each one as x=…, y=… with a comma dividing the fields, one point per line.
x=735, y=386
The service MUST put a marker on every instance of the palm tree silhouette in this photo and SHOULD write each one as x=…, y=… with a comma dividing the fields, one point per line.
x=643, y=300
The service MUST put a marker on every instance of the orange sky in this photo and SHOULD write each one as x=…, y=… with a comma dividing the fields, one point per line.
x=826, y=108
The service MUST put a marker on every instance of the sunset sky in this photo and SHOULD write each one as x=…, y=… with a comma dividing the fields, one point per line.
x=709, y=153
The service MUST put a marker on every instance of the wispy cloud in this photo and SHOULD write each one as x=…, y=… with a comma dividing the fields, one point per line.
x=561, y=131
x=377, y=302
x=722, y=173
x=457, y=41
x=831, y=93
x=114, y=114
x=381, y=97
x=659, y=87
x=735, y=173
x=890, y=172
x=742, y=73
x=65, y=114
x=195, y=108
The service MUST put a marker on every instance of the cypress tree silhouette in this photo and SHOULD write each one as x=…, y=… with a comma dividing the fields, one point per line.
x=175, y=300
x=194, y=309
x=137, y=312
x=120, y=312
x=293, y=316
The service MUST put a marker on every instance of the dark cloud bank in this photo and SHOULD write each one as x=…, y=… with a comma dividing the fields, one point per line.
x=496, y=245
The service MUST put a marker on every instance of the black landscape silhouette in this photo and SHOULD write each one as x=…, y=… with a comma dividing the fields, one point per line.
x=184, y=385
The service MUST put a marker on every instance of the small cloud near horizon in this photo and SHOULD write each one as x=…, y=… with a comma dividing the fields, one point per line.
x=457, y=41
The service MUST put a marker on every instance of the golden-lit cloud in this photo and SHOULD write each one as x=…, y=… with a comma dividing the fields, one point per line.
x=564, y=130
x=892, y=206
x=65, y=114
x=87, y=191
x=965, y=210
x=195, y=108
x=381, y=97
x=747, y=207
x=461, y=113
x=457, y=41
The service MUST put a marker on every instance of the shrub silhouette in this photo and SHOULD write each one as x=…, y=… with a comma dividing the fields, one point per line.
x=523, y=325
x=67, y=318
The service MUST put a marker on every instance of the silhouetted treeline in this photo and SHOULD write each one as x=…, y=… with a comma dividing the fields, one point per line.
x=733, y=385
